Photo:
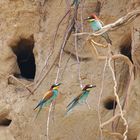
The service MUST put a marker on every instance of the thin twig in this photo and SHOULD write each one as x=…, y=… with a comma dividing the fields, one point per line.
x=78, y=61
x=126, y=59
x=130, y=81
x=40, y=79
x=110, y=120
x=59, y=26
x=100, y=96
x=98, y=44
x=114, y=79
x=81, y=16
x=126, y=99
x=114, y=134
x=48, y=120
x=46, y=64
x=62, y=49
x=115, y=56
x=51, y=52
x=65, y=66
x=113, y=26
x=116, y=95
x=95, y=52
x=66, y=37
x=25, y=86
x=114, y=102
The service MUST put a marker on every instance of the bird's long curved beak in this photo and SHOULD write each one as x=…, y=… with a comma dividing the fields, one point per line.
x=59, y=84
x=88, y=18
x=93, y=86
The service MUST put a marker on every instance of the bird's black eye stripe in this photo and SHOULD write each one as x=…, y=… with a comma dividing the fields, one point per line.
x=89, y=17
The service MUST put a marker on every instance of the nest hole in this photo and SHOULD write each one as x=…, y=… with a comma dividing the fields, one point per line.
x=25, y=58
x=5, y=122
x=110, y=104
x=126, y=47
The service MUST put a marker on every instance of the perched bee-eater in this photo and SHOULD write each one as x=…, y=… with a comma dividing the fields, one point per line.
x=48, y=97
x=81, y=98
x=96, y=25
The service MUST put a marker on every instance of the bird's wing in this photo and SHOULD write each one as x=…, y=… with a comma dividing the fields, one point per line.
x=73, y=102
x=106, y=37
x=101, y=22
x=46, y=96
x=40, y=108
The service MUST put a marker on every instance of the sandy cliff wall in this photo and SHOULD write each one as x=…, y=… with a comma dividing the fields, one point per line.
x=27, y=30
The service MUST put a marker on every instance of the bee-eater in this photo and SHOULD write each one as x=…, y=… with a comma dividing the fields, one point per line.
x=96, y=25
x=48, y=97
x=81, y=98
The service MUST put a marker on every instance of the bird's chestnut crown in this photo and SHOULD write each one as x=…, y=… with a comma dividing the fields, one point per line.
x=92, y=18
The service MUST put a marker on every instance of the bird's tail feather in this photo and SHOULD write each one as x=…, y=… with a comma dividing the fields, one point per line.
x=36, y=106
x=74, y=100
x=40, y=104
x=72, y=105
x=38, y=112
x=106, y=37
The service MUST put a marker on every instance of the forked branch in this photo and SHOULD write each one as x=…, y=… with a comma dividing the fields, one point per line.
x=112, y=26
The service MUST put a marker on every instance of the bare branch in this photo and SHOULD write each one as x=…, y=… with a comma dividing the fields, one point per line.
x=116, y=95
x=66, y=36
x=48, y=120
x=111, y=119
x=121, y=21
x=40, y=79
x=115, y=56
x=114, y=134
x=99, y=100
x=131, y=67
x=129, y=86
x=78, y=61
x=25, y=86
x=100, y=45
x=45, y=66
x=65, y=39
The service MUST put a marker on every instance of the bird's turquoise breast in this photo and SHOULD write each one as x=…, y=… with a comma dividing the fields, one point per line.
x=55, y=93
x=85, y=95
x=96, y=25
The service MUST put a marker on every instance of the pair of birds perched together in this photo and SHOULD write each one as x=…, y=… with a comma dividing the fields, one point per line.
x=52, y=94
